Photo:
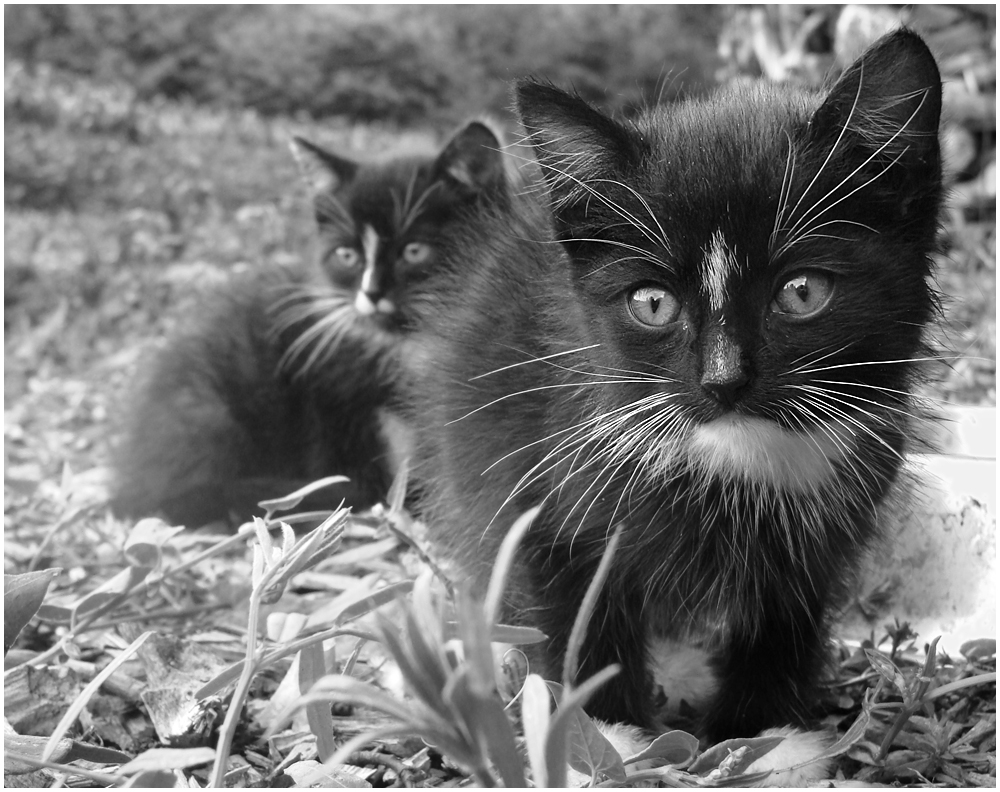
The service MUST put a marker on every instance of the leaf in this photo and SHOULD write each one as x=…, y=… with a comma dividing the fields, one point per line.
x=109, y=594
x=350, y=605
x=734, y=756
x=293, y=499
x=152, y=779
x=22, y=596
x=312, y=667
x=579, y=631
x=503, y=563
x=485, y=716
x=572, y=701
x=674, y=747
x=142, y=547
x=851, y=737
x=536, y=705
x=168, y=759
x=887, y=669
x=512, y=634
x=30, y=747
x=590, y=752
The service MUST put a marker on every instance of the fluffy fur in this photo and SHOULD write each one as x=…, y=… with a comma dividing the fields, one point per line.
x=705, y=328
x=292, y=375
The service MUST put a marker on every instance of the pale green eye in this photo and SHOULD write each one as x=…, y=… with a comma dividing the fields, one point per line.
x=416, y=253
x=348, y=257
x=804, y=294
x=653, y=306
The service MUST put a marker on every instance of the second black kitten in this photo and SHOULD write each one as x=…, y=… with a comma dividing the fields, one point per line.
x=293, y=375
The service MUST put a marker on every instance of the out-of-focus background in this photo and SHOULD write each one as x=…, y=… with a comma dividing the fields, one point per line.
x=145, y=155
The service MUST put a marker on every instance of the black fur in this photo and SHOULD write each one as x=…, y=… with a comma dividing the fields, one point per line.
x=280, y=380
x=537, y=356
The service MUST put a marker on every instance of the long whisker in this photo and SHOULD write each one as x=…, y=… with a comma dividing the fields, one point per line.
x=533, y=360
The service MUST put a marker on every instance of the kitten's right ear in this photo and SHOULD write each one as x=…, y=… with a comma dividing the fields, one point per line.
x=576, y=145
x=473, y=159
x=325, y=171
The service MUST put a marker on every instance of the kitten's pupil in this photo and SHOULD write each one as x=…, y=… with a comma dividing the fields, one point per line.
x=804, y=294
x=653, y=306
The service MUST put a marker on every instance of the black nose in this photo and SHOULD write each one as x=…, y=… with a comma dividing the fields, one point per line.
x=726, y=392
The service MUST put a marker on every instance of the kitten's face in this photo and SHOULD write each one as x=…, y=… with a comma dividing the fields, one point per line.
x=382, y=228
x=381, y=235
x=752, y=269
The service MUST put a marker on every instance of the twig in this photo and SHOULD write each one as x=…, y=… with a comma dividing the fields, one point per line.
x=374, y=757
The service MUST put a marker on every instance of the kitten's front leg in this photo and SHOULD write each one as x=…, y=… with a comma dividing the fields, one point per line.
x=768, y=678
x=616, y=635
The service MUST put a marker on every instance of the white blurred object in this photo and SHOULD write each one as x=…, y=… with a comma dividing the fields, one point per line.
x=939, y=563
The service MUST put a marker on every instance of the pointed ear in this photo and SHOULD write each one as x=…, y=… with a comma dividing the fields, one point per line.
x=576, y=145
x=325, y=172
x=888, y=104
x=473, y=159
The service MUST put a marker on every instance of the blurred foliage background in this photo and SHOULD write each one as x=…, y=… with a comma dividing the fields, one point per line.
x=146, y=159
x=398, y=63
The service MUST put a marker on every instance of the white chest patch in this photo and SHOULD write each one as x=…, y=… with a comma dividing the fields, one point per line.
x=763, y=453
x=399, y=439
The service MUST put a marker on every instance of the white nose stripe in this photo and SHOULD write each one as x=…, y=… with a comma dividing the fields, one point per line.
x=370, y=245
x=718, y=266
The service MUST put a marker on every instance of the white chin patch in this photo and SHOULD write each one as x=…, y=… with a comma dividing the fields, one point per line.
x=761, y=452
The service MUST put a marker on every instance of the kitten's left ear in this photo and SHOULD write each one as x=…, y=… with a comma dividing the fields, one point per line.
x=888, y=105
x=473, y=159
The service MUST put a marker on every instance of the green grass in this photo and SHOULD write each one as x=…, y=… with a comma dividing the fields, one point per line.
x=119, y=214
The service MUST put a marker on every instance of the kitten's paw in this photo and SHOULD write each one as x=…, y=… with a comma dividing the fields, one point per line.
x=791, y=761
x=627, y=740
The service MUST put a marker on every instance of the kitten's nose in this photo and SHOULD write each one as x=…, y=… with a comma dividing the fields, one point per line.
x=724, y=369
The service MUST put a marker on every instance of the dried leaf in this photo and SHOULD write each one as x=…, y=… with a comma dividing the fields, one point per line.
x=732, y=757
x=168, y=759
x=293, y=499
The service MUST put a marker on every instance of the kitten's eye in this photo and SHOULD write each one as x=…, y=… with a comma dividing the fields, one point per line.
x=348, y=256
x=416, y=253
x=653, y=306
x=804, y=294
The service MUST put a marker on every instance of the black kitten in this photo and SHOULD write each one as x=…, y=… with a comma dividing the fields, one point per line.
x=290, y=376
x=716, y=351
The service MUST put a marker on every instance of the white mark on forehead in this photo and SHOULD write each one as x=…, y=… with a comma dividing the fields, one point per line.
x=718, y=265
x=369, y=245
